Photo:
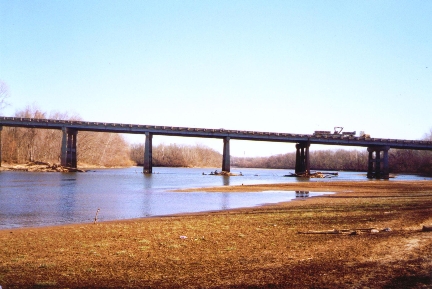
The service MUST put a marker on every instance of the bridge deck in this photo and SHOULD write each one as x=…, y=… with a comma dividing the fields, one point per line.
x=339, y=139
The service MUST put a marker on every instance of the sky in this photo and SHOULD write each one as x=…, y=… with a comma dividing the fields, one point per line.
x=279, y=66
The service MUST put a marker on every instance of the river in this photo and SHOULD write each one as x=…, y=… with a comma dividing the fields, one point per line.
x=33, y=199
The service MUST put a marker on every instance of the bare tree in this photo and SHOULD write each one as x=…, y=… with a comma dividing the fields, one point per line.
x=21, y=145
x=103, y=149
x=33, y=138
x=4, y=94
x=137, y=153
x=428, y=136
x=173, y=155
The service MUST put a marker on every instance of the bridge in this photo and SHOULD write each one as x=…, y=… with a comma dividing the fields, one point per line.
x=378, y=166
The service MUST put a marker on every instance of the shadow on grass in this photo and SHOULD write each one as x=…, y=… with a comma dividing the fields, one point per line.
x=409, y=282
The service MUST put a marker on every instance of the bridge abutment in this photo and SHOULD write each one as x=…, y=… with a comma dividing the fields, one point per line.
x=378, y=165
x=69, y=147
x=302, y=158
x=226, y=155
x=148, y=150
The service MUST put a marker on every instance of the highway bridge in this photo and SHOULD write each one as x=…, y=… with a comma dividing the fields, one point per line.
x=377, y=147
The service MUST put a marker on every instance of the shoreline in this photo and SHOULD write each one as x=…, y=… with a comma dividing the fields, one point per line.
x=46, y=167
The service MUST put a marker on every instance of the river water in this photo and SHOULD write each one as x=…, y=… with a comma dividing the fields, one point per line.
x=32, y=199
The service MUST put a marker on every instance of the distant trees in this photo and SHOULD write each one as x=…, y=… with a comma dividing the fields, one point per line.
x=412, y=161
x=21, y=145
x=137, y=153
x=426, y=165
x=103, y=149
x=400, y=161
x=281, y=161
x=341, y=160
x=174, y=155
x=319, y=160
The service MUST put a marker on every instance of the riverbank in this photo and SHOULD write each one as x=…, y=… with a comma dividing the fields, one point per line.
x=39, y=167
x=261, y=247
x=49, y=167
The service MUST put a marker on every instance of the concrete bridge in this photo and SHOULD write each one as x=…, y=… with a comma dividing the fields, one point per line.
x=378, y=148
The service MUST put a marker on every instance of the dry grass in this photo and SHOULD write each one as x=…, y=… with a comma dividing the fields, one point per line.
x=247, y=248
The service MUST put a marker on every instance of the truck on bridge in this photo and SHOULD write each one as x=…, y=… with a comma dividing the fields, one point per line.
x=337, y=131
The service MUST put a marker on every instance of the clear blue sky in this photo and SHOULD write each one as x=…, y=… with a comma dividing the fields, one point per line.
x=284, y=66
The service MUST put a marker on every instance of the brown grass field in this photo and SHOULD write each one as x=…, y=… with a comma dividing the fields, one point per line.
x=260, y=247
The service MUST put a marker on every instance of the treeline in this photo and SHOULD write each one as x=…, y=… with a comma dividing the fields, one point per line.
x=173, y=155
x=400, y=161
x=319, y=160
x=22, y=145
x=410, y=161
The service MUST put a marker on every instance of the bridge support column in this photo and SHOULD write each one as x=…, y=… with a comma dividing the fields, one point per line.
x=302, y=158
x=63, y=156
x=1, y=128
x=378, y=167
x=226, y=155
x=148, y=158
x=69, y=148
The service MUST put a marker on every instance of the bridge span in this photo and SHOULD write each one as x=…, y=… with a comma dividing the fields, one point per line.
x=377, y=147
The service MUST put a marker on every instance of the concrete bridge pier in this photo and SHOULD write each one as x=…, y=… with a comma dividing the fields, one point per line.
x=378, y=166
x=302, y=158
x=226, y=155
x=69, y=148
x=148, y=158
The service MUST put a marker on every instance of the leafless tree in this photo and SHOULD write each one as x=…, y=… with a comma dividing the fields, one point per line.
x=174, y=155
x=137, y=154
x=4, y=94
x=428, y=136
x=103, y=149
x=20, y=145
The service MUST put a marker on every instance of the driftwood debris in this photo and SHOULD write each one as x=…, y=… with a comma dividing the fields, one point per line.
x=347, y=231
x=222, y=173
x=356, y=231
x=427, y=228
x=41, y=167
x=318, y=175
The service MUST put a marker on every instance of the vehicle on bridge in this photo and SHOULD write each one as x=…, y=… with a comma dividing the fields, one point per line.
x=337, y=131
x=364, y=135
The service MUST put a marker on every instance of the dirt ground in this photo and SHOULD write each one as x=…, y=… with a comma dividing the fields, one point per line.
x=367, y=235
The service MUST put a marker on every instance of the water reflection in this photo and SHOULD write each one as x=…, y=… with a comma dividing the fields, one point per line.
x=148, y=181
x=147, y=192
x=67, y=194
x=226, y=180
x=302, y=194
x=225, y=201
